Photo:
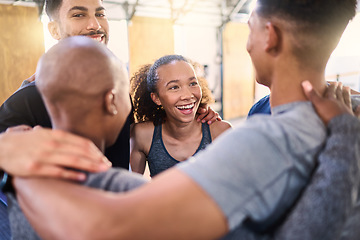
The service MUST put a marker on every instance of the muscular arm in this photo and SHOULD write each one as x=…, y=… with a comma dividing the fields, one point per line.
x=170, y=207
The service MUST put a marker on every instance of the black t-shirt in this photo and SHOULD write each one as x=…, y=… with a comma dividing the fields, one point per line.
x=26, y=106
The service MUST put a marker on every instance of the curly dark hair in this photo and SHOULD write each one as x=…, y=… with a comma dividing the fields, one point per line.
x=144, y=82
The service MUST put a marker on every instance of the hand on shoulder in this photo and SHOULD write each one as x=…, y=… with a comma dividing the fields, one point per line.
x=336, y=101
x=207, y=114
x=49, y=153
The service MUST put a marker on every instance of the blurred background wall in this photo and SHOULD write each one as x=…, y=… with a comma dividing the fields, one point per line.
x=21, y=45
x=210, y=32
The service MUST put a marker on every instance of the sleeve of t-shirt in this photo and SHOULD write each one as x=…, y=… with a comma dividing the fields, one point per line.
x=251, y=175
x=115, y=180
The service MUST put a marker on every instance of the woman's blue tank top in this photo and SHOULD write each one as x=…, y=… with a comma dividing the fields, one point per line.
x=159, y=159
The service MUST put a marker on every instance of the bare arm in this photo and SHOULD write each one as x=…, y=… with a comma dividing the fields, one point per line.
x=218, y=128
x=170, y=207
x=137, y=154
x=42, y=152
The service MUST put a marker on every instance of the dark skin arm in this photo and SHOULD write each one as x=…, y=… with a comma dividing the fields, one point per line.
x=44, y=152
x=173, y=209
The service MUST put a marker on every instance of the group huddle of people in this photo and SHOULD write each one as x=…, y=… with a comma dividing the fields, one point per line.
x=74, y=128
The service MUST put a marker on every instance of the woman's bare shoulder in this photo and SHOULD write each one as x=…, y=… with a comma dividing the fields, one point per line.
x=142, y=131
x=219, y=127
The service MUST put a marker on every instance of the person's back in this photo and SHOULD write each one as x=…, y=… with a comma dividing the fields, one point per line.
x=288, y=43
x=79, y=105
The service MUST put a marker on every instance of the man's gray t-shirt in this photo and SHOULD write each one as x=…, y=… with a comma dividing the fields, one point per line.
x=256, y=171
x=114, y=180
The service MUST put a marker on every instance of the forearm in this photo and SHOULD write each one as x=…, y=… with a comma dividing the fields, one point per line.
x=171, y=207
x=62, y=210
x=5, y=179
x=328, y=200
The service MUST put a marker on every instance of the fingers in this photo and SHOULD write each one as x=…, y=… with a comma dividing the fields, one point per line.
x=202, y=110
x=208, y=116
x=339, y=92
x=19, y=128
x=47, y=152
x=65, y=157
x=335, y=101
x=202, y=113
x=342, y=94
x=310, y=92
x=75, y=146
x=218, y=118
x=49, y=170
x=330, y=92
x=347, y=97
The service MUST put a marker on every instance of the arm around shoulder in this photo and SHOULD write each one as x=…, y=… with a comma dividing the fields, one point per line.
x=170, y=207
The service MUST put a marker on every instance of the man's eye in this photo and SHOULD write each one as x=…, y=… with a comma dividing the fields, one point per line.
x=100, y=15
x=78, y=15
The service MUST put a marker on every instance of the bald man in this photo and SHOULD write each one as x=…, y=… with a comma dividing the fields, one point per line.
x=83, y=105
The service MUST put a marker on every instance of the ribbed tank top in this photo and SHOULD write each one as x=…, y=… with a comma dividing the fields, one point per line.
x=159, y=159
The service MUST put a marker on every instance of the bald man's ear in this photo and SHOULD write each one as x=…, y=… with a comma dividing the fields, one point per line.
x=273, y=40
x=110, y=106
x=54, y=29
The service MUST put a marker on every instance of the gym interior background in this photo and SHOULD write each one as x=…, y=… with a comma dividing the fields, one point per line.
x=210, y=32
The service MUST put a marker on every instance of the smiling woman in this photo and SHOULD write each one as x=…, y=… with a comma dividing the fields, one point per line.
x=166, y=99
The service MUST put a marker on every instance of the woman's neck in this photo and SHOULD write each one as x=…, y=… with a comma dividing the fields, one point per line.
x=181, y=130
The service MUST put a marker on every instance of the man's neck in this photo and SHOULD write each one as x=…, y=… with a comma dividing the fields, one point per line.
x=286, y=85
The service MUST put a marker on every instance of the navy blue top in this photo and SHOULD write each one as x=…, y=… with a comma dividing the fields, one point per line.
x=159, y=158
x=262, y=106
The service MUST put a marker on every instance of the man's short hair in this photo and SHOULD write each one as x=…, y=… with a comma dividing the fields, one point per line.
x=52, y=7
x=315, y=15
x=315, y=25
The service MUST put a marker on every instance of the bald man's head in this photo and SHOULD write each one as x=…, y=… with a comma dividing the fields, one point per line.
x=76, y=64
x=81, y=81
